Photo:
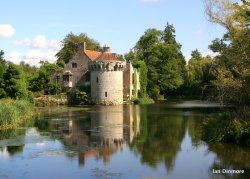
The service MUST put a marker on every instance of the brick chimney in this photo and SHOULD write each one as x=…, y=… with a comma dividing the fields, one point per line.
x=106, y=48
x=81, y=47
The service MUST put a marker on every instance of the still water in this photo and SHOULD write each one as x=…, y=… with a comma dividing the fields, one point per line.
x=150, y=141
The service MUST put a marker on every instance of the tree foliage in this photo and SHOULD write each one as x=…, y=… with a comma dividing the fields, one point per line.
x=14, y=85
x=40, y=81
x=70, y=46
x=200, y=72
x=233, y=62
x=163, y=58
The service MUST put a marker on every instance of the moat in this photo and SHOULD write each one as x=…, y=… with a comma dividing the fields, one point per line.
x=126, y=141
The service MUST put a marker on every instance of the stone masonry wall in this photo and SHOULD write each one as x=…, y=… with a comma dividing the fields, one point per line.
x=78, y=78
x=107, y=82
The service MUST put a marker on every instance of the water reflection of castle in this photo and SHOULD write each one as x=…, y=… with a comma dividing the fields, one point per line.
x=105, y=131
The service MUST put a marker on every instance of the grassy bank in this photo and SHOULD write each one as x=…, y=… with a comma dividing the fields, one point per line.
x=143, y=101
x=13, y=112
x=227, y=129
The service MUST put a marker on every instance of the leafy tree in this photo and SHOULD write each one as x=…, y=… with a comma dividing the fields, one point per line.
x=200, y=72
x=11, y=77
x=70, y=46
x=233, y=67
x=2, y=56
x=163, y=58
x=196, y=55
x=14, y=84
x=41, y=80
x=218, y=45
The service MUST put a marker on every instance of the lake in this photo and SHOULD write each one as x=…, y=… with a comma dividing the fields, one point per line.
x=128, y=141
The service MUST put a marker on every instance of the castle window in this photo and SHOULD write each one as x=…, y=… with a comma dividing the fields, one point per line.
x=106, y=94
x=87, y=76
x=97, y=80
x=74, y=65
x=65, y=78
x=133, y=78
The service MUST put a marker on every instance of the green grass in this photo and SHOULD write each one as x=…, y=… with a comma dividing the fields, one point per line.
x=13, y=111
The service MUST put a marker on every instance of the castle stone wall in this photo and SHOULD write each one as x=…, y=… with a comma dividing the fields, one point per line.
x=107, y=82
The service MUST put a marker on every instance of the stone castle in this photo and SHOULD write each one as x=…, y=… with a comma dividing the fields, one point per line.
x=110, y=78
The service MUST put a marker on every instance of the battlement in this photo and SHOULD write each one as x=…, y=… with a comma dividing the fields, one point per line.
x=107, y=65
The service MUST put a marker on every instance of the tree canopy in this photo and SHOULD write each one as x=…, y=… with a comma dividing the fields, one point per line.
x=70, y=46
x=163, y=58
x=233, y=62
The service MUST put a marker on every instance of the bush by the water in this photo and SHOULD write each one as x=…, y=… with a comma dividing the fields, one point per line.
x=226, y=129
x=78, y=97
x=143, y=101
x=13, y=111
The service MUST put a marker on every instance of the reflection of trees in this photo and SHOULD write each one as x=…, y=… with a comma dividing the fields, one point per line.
x=8, y=134
x=195, y=119
x=194, y=126
x=231, y=157
x=160, y=137
x=15, y=149
x=42, y=125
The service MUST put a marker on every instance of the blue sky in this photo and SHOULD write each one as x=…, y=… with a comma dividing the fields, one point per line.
x=32, y=30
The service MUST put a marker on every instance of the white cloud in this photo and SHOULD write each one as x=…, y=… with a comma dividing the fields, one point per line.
x=210, y=53
x=34, y=54
x=39, y=41
x=150, y=1
x=14, y=56
x=32, y=57
x=6, y=31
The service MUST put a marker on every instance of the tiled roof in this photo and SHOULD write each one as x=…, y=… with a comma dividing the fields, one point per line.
x=93, y=55
x=108, y=56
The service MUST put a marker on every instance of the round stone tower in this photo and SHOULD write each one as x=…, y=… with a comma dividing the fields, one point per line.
x=107, y=79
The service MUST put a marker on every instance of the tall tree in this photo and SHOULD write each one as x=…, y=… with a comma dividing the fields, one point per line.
x=11, y=79
x=2, y=56
x=199, y=74
x=165, y=62
x=233, y=71
x=70, y=45
x=40, y=81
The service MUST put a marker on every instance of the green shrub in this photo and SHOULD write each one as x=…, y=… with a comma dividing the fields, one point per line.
x=52, y=89
x=78, y=97
x=25, y=95
x=225, y=129
x=143, y=101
